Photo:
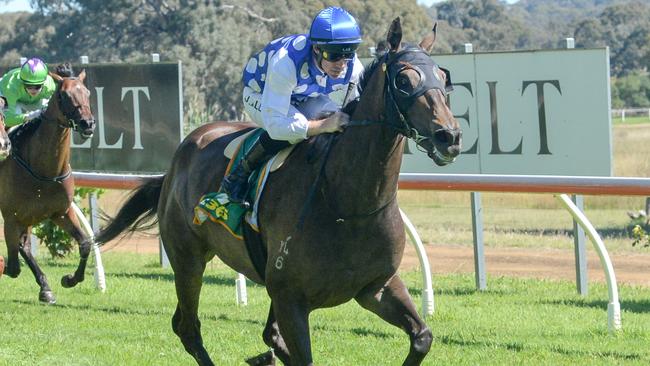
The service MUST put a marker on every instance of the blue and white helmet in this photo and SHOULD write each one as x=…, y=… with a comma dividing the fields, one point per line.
x=335, y=30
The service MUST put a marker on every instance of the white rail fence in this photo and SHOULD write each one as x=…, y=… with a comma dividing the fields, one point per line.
x=557, y=185
x=630, y=112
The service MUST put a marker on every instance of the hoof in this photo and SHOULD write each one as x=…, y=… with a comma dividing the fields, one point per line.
x=12, y=269
x=46, y=297
x=68, y=281
x=265, y=359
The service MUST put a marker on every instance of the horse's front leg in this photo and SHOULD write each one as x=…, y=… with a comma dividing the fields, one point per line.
x=70, y=223
x=12, y=239
x=393, y=303
x=45, y=295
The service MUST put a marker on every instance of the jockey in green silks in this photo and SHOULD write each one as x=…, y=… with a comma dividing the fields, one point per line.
x=25, y=92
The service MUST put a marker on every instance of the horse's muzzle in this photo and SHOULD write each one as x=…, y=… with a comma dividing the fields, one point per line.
x=88, y=128
x=445, y=146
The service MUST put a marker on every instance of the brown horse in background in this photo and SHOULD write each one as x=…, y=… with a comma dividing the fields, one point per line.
x=5, y=143
x=5, y=149
x=351, y=240
x=36, y=182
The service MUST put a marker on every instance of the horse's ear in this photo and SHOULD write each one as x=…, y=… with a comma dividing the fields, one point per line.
x=428, y=41
x=394, y=35
x=82, y=75
x=56, y=77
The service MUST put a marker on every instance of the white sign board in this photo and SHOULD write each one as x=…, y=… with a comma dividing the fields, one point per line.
x=541, y=112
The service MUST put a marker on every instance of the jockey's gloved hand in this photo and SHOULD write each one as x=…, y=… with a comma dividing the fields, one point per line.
x=34, y=114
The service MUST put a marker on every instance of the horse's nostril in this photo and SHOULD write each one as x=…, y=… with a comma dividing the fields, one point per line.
x=88, y=124
x=445, y=137
x=458, y=135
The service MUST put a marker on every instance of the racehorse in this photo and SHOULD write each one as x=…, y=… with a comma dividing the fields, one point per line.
x=350, y=240
x=5, y=143
x=5, y=149
x=36, y=182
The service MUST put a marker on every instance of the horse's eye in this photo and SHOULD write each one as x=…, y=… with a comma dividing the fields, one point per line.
x=404, y=83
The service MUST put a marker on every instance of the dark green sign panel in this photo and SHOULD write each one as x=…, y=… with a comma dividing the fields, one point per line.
x=139, y=118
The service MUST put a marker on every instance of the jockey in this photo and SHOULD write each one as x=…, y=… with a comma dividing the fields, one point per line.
x=25, y=92
x=286, y=88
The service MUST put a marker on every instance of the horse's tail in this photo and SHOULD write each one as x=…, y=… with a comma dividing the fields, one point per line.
x=136, y=213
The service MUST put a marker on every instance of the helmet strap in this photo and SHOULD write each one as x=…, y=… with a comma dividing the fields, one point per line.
x=319, y=57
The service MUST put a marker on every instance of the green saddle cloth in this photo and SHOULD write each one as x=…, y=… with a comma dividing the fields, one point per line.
x=217, y=207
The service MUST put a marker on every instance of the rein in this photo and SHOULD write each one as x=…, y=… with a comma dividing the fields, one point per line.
x=25, y=165
x=342, y=218
x=391, y=106
x=393, y=111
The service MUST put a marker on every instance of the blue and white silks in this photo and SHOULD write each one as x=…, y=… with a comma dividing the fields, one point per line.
x=284, y=87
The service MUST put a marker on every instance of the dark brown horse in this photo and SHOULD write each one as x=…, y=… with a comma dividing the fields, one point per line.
x=351, y=240
x=36, y=182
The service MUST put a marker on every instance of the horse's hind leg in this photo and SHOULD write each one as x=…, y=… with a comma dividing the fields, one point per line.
x=70, y=223
x=273, y=339
x=188, y=273
x=393, y=303
x=293, y=321
x=45, y=295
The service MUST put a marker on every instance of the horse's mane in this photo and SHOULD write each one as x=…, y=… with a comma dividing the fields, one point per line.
x=24, y=131
x=64, y=70
x=363, y=80
x=367, y=73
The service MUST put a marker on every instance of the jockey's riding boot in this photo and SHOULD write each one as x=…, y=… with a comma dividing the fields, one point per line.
x=236, y=183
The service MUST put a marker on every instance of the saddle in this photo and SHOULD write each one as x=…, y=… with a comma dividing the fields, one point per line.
x=239, y=222
x=233, y=147
x=216, y=205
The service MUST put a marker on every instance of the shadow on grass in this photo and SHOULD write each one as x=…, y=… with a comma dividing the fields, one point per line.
x=207, y=280
x=101, y=309
x=633, y=306
x=163, y=313
x=520, y=347
x=606, y=232
x=467, y=291
x=216, y=317
x=364, y=332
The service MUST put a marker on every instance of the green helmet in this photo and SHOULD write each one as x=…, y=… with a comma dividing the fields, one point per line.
x=33, y=72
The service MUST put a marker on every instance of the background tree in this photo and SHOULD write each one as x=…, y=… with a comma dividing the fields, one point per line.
x=622, y=27
x=487, y=24
x=213, y=39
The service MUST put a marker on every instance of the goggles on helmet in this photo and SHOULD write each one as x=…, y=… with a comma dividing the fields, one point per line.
x=337, y=52
x=34, y=87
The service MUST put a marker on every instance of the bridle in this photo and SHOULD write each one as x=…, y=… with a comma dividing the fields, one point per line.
x=71, y=112
x=397, y=101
